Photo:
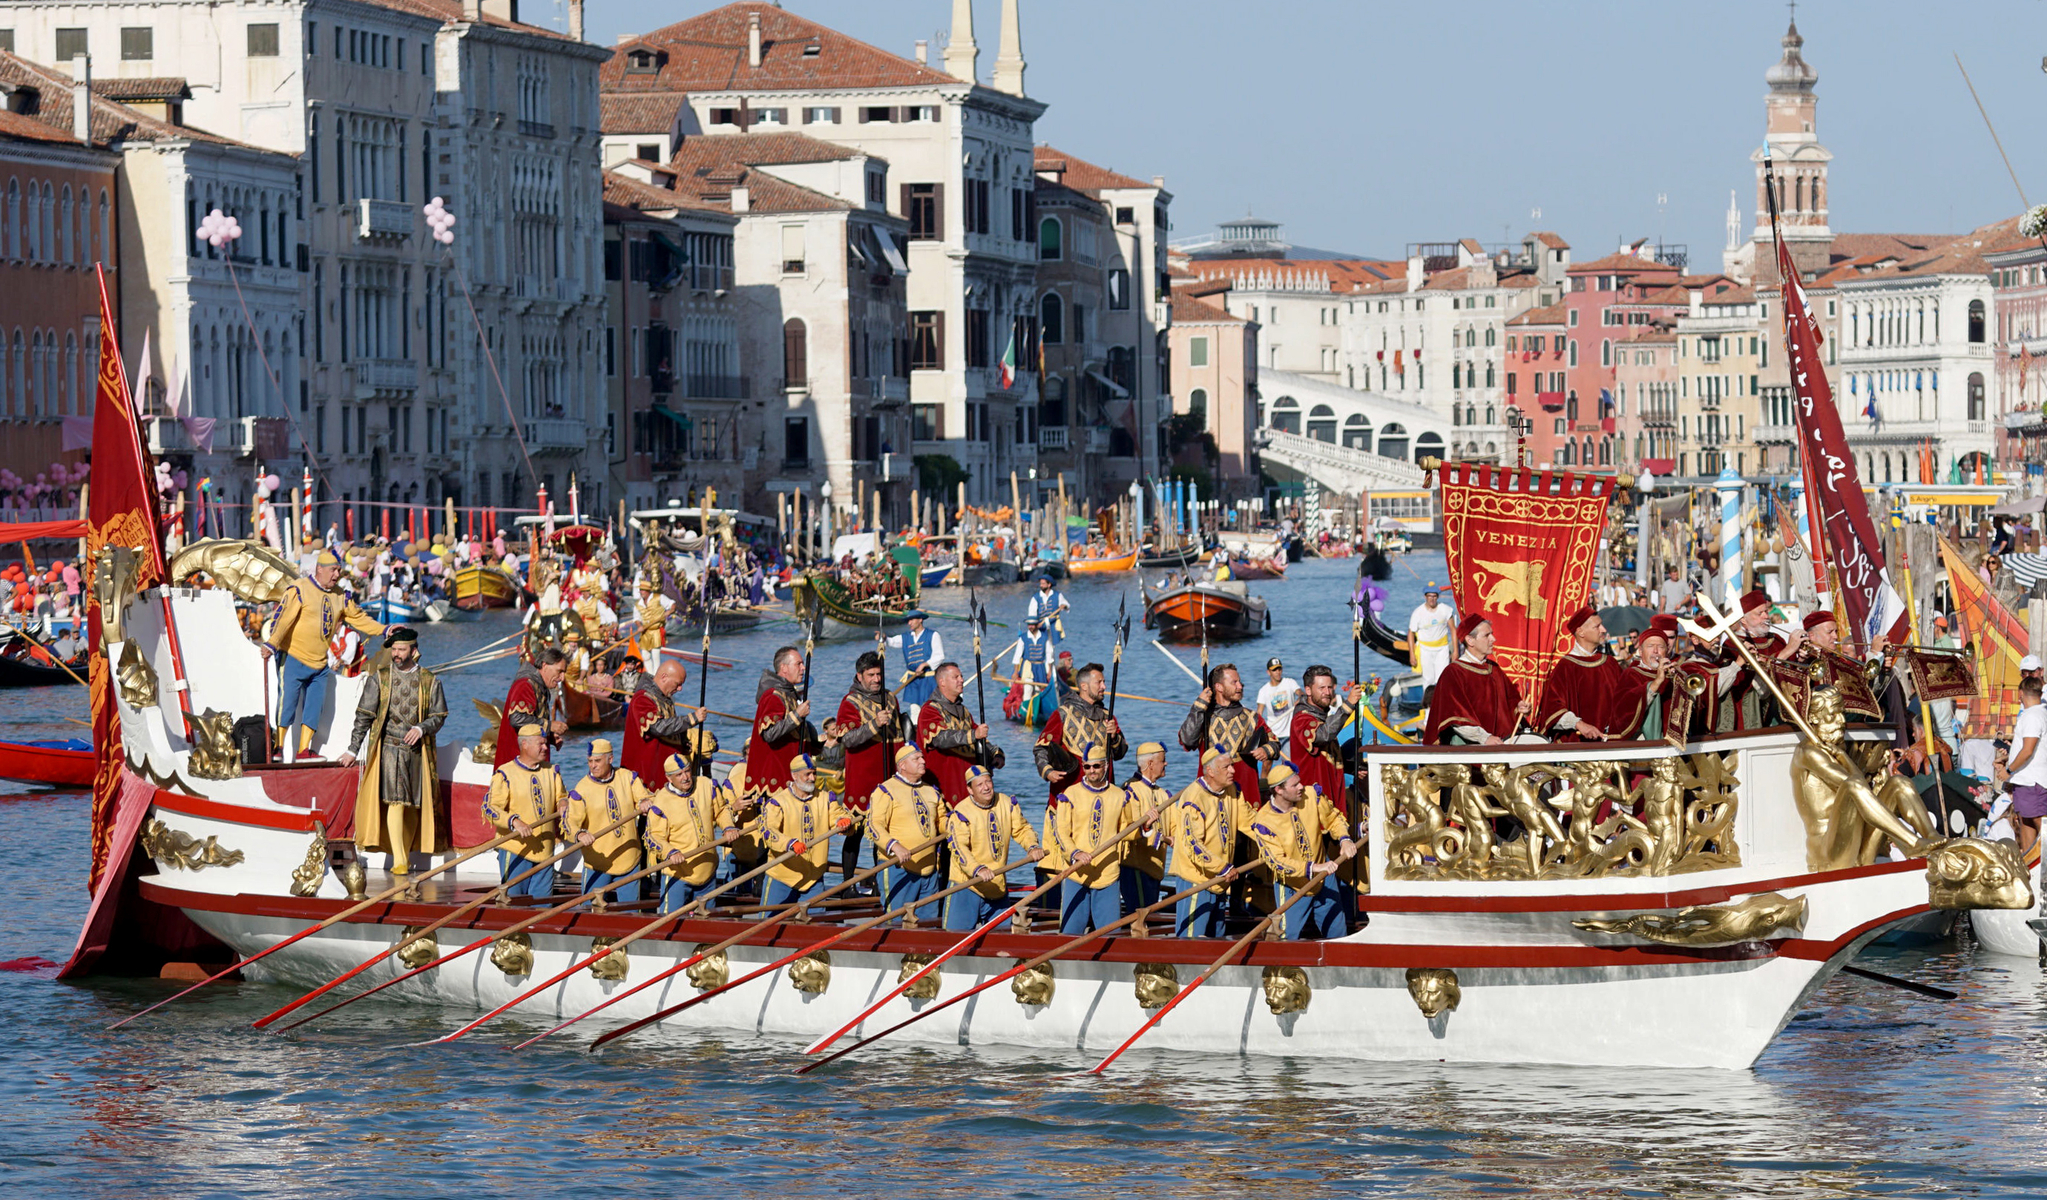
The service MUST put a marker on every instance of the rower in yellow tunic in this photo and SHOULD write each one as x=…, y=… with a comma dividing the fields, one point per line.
x=307, y=618
x=1205, y=820
x=525, y=797
x=607, y=795
x=980, y=830
x=683, y=830
x=1291, y=830
x=1084, y=825
x=903, y=814
x=800, y=816
x=1144, y=863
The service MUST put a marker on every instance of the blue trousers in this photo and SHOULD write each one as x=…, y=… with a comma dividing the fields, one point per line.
x=675, y=892
x=780, y=893
x=1082, y=908
x=900, y=887
x=1138, y=889
x=1319, y=916
x=301, y=693
x=601, y=881
x=540, y=883
x=969, y=910
x=1199, y=915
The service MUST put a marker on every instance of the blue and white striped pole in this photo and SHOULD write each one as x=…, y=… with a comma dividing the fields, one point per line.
x=1730, y=487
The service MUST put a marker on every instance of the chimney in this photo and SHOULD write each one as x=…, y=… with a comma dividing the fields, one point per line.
x=962, y=56
x=502, y=10
x=576, y=20
x=1009, y=59
x=753, y=39
x=472, y=10
x=81, y=99
x=1159, y=182
x=1416, y=276
x=923, y=53
x=742, y=199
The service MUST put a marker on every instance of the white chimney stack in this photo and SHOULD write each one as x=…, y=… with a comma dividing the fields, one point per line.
x=753, y=39
x=81, y=98
x=576, y=20
x=923, y=53
x=1009, y=59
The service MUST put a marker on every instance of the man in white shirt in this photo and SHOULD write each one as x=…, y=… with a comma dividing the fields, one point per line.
x=2026, y=772
x=1276, y=700
x=1429, y=628
x=1675, y=593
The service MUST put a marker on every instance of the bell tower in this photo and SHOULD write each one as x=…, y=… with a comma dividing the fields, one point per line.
x=1800, y=165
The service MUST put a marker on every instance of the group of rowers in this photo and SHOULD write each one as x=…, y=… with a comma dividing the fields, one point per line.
x=1262, y=821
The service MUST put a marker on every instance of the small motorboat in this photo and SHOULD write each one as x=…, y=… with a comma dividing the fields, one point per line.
x=992, y=573
x=66, y=763
x=934, y=574
x=1258, y=568
x=396, y=612
x=1217, y=612
x=1102, y=566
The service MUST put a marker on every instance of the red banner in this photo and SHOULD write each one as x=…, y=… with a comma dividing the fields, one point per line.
x=1521, y=546
x=121, y=512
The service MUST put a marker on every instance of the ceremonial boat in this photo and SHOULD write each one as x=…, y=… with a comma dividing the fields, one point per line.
x=1102, y=566
x=66, y=763
x=395, y=612
x=819, y=594
x=478, y=586
x=1216, y=612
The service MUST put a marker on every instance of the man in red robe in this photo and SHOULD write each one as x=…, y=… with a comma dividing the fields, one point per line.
x=532, y=700
x=1589, y=696
x=1080, y=720
x=1653, y=673
x=870, y=729
x=653, y=728
x=781, y=725
x=952, y=740
x=1218, y=720
x=1745, y=702
x=1312, y=741
x=1476, y=703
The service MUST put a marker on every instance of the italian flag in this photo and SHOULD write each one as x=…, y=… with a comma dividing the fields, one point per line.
x=1009, y=362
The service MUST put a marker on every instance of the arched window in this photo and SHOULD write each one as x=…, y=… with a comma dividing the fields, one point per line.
x=1286, y=414
x=71, y=374
x=1357, y=432
x=49, y=230
x=1489, y=377
x=1471, y=337
x=1456, y=376
x=1605, y=352
x=1393, y=440
x=1489, y=340
x=1564, y=453
x=795, y=354
x=1975, y=396
x=63, y=243
x=1428, y=445
x=40, y=379
x=1051, y=319
x=1197, y=405
x=1489, y=415
x=1050, y=247
x=1571, y=407
x=14, y=247
x=106, y=232
x=1322, y=423
x=1975, y=320
x=17, y=375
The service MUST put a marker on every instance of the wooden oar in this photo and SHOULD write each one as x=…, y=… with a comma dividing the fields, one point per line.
x=1063, y=948
x=336, y=919
x=768, y=920
x=480, y=649
x=1236, y=948
x=834, y=940
x=620, y=945
x=469, y=907
x=1179, y=664
x=1924, y=989
x=1125, y=695
x=970, y=939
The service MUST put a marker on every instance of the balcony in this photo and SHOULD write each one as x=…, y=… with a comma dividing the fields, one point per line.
x=1052, y=437
x=886, y=391
x=710, y=279
x=2033, y=421
x=382, y=219
x=716, y=387
x=1097, y=441
x=386, y=376
x=556, y=434
x=1776, y=435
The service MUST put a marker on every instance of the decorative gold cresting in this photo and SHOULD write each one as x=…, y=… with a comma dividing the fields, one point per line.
x=250, y=570
x=1754, y=919
x=182, y=852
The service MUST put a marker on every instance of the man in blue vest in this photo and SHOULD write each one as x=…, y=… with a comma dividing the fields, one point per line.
x=922, y=651
x=1030, y=665
x=1046, y=605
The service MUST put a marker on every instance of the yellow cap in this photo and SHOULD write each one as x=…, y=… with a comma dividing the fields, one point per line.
x=674, y=763
x=1147, y=749
x=1094, y=753
x=904, y=751
x=531, y=731
x=1279, y=773
x=600, y=745
x=1214, y=754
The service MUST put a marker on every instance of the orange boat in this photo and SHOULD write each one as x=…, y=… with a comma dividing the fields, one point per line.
x=1093, y=566
x=1216, y=612
x=478, y=586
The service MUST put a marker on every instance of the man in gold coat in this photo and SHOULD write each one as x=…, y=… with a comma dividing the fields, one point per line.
x=307, y=618
x=981, y=829
x=686, y=825
x=800, y=816
x=904, y=817
x=608, y=795
x=400, y=713
x=1291, y=830
x=525, y=797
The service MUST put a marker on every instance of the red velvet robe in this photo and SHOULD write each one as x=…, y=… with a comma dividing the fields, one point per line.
x=869, y=766
x=1599, y=691
x=1643, y=679
x=944, y=769
x=1469, y=693
x=644, y=754
x=767, y=763
x=526, y=703
x=1316, y=765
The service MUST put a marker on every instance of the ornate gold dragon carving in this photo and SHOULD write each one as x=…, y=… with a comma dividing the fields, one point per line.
x=709, y=973
x=1033, y=988
x=1750, y=920
x=812, y=973
x=417, y=949
x=308, y=875
x=1157, y=983
x=183, y=852
x=135, y=677
x=487, y=746
x=1434, y=989
x=249, y=569
x=114, y=578
x=214, y=755
x=1286, y=990
x=1975, y=873
x=613, y=967
x=925, y=988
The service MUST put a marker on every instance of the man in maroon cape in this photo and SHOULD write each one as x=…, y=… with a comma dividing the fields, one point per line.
x=781, y=724
x=654, y=728
x=952, y=740
x=531, y=701
x=1745, y=702
x=1476, y=702
x=1653, y=673
x=1589, y=696
x=1312, y=737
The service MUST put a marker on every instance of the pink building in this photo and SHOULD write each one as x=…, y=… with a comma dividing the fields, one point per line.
x=1645, y=396
x=1536, y=374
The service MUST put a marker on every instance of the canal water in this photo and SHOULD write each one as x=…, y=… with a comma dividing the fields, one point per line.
x=1870, y=1091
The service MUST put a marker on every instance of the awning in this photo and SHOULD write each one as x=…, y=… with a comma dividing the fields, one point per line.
x=893, y=253
x=1115, y=389
x=2020, y=508
x=681, y=420
x=28, y=531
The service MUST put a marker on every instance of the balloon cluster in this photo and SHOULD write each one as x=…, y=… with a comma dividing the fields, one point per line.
x=441, y=221
x=168, y=481
x=218, y=229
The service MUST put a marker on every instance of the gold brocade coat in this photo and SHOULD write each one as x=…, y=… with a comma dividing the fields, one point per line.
x=1204, y=827
x=1085, y=821
x=689, y=824
x=530, y=793
x=369, y=817
x=786, y=818
x=981, y=837
x=600, y=803
x=307, y=618
x=1147, y=850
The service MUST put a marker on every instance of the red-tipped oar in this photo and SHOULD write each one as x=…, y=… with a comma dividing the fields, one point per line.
x=1236, y=948
x=1063, y=948
x=966, y=941
x=336, y=919
x=765, y=922
x=784, y=961
x=620, y=945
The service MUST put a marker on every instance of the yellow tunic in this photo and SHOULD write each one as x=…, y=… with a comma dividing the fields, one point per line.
x=906, y=814
x=786, y=818
x=307, y=618
x=1204, y=824
x=1147, y=850
x=737, y=810
x=1290, y=842
x=1084, y=819
x=689, y=824
x=531, y=794
x=596, y=804
x=982, y=837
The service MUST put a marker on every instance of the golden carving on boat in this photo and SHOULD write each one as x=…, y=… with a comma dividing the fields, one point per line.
x=1754, y=919
x=487, y=746
x=1849, y=819
x=1435, y=990
x=1977, y=873
x=1590, y=818
x=183, y=852
x=1033, y=988
x=214, y=754
x=708, y=973
x=925, y=988
x=1286, y=990
x=251, y=570
x=612, y=967
x=417, y=949
x=812, y=973
x=114, y=579
x=513, y=954
x=308, y=875
x=356, y=878
x=135, y=677
x=1157, y=983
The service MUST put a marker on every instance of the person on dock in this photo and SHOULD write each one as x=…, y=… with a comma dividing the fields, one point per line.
x=1048, y=605
x=781, y=723
x=952, y=741
x=923, y=650
x=1429, y=630
x=654, y=727
x=686, y=824
x=397, y=719
x=524, y=792
x=1292, y=830
x=980, y=832
x=800, y=816
x=535, y=699
x=1218, y=720
x=1083, y=826
x=870, y=729
x=903, y=814
x=606, y=796
x=307, y=618
x=1205, y=820
x=1589, y=696
x=1477, y=702
x=1080, y=720
x=1313, y=741
x=1276, y=698
x=1144, y=865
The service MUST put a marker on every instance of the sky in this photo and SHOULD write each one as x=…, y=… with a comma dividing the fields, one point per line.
x=1364, y=127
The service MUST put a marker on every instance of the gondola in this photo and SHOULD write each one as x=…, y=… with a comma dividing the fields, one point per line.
x=1217, y=612
x=17, y=670
x=66, y=763
x=1172, y=560
x=583, y=710
x=820, y=592
x=395, y=612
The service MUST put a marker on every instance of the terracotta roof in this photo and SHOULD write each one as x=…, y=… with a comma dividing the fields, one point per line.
x=111, y=122
x=1855, y=245
x=1551, y=240
x=1700, y=281
x=623, y=192
x=1651, y=333
x=1187, y=310
x=767, y=149
x=634, y=112
x=1081, y=174
x=1730, y=295
x=1552, y=315
x=1622, y=263
x=709, y=167
x=17, y=127
x=708, y=53
x=1961, y=256
x=161, y=87
x=1520, y=280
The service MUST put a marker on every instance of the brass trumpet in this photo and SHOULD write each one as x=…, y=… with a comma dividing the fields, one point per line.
x=1693, y=684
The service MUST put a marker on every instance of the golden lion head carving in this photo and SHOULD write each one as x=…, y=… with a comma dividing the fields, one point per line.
x=1157, y=984
x=1435, y=990
x=711, y=972
x=612, y=967
x=1286, y=990
x=1034, y=987
x=1976, y=873
x=812, y=973
x=513, y=954
x=925, y=988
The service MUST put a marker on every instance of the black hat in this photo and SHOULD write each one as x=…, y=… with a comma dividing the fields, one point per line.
x=400, y=633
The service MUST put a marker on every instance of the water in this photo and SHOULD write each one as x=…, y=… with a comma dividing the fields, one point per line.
x=1870, y=1091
